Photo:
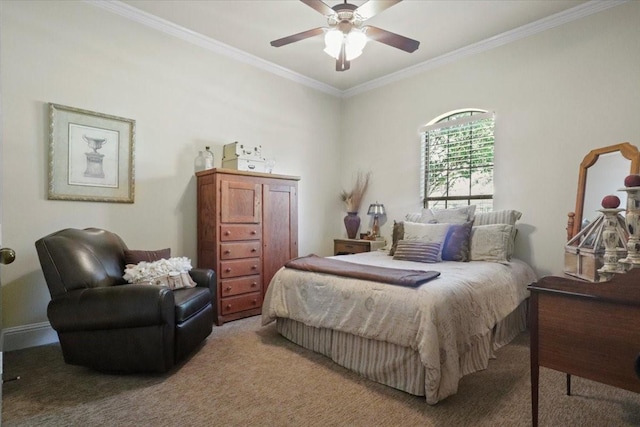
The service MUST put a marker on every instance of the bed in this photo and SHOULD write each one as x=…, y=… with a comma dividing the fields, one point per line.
x=422, y=339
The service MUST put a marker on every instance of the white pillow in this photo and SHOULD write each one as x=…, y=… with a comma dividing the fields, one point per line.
x=491, y=242
x=451, y=216
x=428, y=233
x=413, y=217
x=505, y=216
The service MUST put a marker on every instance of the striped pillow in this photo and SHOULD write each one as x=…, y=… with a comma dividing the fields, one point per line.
x=416, y=250
x=506, y=216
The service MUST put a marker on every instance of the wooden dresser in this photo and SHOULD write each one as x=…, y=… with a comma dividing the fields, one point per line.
x=590, y=330
x=247, y=230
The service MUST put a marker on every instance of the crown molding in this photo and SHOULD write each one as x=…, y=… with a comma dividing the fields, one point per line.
x=552, y=21
x=208, y=43
x=167, y=27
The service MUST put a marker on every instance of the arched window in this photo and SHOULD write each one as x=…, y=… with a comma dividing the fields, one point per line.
x=457, y=160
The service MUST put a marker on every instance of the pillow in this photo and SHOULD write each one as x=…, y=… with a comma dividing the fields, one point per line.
x=413, y=217
x=416, y=250
x=451, y=216
x=172, y=272
x=454, y=239
x=396, y=235
x=428, y=233
x=491, y=242
x=506, y=216
x=457, y=243
x=136, y=256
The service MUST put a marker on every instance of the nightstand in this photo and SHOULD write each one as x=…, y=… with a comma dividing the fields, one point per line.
x=356, y=246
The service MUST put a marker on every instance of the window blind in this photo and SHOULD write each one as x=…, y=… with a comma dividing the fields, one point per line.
x=457, y=160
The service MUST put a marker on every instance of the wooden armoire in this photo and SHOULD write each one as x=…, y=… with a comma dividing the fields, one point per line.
x=247, y=230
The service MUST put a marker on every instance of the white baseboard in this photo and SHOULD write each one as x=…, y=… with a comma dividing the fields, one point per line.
x=26, y=336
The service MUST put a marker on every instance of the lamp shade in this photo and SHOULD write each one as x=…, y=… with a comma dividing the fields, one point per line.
x=376, y=209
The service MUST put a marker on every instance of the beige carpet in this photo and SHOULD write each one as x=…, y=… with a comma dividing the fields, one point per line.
x=246, y=375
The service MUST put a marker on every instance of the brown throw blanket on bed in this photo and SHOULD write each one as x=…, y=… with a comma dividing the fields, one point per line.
x=411, y=278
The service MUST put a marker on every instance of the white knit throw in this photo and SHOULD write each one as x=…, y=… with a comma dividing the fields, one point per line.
x=146, y=271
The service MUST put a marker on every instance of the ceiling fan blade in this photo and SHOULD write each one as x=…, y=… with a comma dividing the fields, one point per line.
x=320, y=6
x=341, y=62
x=297, y=37
x=371, y=8
x=391, y=39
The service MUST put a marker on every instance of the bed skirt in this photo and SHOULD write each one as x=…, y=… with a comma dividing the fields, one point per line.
x=394, y=365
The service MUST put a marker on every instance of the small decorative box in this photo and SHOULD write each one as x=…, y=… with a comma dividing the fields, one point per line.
x=244, y=164
x=235, y=150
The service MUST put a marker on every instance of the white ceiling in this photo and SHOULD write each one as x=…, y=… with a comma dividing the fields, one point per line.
x=443, y=28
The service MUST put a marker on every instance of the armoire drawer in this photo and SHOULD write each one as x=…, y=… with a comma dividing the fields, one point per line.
x=242, y=285
x=240, y=232
x=240, y=250
x=240, y=267
x=241, y=303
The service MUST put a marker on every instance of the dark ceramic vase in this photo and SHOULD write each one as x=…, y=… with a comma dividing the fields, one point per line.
x=352, y=223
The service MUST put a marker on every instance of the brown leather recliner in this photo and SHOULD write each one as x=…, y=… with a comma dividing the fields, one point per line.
x=109, y=325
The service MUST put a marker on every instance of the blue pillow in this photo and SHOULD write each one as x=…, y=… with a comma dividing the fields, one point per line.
x=457, y=243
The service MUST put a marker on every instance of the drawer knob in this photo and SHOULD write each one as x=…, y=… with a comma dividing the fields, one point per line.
x=227, y=233
x=254, y=284
x=228, y=306
x=227, y=252
x=254, y=267
x=228, y=288
x=228, y=270
x=254, y=250
x=254, y=302
x=253, y=232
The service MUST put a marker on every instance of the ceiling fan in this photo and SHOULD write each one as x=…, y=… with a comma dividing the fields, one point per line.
x=346, y=36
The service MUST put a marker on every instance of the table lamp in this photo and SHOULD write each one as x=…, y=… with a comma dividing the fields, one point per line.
x=376, y=209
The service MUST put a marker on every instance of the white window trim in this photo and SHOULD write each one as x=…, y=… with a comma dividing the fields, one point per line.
x=456, y=122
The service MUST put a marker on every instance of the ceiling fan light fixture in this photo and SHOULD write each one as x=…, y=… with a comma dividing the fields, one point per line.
x=345, y=37
x=333, y=42
x=354, y=43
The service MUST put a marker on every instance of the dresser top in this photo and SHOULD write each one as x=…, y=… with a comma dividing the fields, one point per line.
x=622, y=288
x=246, y=173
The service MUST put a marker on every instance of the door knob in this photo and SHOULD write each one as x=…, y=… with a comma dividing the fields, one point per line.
x=7, y=255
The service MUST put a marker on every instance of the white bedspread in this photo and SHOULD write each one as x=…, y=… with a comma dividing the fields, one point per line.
x=440, y=319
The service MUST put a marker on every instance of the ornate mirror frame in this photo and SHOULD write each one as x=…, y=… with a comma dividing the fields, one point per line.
x=627, y=150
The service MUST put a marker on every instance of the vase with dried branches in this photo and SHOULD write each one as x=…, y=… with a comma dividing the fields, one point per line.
x=352, y=200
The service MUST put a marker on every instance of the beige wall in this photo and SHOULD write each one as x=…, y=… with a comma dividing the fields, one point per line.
x=182, y=98
x=556, y=96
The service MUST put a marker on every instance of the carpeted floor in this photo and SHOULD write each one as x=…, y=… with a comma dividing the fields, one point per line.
x=247, y=375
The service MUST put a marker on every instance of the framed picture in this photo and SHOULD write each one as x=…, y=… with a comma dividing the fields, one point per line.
x=90, y=156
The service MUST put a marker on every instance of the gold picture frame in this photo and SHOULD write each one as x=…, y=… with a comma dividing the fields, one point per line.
x=91, y=156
